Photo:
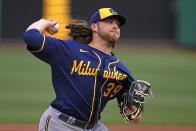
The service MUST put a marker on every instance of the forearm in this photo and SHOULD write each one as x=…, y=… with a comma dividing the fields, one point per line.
x=42, y=25
x=33, y=36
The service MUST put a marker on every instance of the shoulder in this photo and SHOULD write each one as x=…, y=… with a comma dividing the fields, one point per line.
x=54, y=40
x=122, y=65
x=73, y=42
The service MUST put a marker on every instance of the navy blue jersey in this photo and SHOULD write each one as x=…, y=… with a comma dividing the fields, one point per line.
x=84, y=78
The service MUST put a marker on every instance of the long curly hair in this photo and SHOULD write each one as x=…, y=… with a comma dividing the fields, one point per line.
x=80, y=31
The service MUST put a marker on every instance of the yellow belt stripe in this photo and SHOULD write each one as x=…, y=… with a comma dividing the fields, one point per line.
x=47, y=123
x=94, y=90
x=41, y=47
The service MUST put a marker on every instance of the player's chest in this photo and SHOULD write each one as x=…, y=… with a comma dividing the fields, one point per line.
x=92, y=64
x=107, y=73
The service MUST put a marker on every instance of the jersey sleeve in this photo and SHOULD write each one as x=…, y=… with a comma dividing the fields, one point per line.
x=44, y=47
x=126, y=84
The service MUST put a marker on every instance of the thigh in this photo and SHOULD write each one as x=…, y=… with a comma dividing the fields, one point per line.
x=43, y=120
x=99, y=127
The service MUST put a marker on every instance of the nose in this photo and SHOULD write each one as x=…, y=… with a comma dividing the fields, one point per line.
x=115, y=25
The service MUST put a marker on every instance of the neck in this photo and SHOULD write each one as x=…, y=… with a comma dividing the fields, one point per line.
x=102, y=45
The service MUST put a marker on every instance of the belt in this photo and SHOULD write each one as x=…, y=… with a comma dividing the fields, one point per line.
x=73, y=121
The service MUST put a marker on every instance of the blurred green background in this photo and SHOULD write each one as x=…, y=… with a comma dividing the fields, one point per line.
x=25, y=82
x=26, y=89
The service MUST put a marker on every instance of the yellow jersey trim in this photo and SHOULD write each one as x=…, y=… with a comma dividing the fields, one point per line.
x=41, y=47
x=81, y=50
x=47, y=123
x=94, y=90
x=112, y=63
x=101, y=98
x=103, y=86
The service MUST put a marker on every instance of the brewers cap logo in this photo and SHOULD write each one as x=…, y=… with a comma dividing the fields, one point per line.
x=113, y=11
x=104, y=13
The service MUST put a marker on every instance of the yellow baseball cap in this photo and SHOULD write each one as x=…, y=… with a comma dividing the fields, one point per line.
x=104, y=13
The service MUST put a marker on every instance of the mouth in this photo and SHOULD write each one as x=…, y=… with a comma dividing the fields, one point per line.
x=117, y=33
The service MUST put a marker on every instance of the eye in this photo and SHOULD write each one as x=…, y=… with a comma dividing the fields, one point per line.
x=109, y=21
x=113, y=22
x=118, y=24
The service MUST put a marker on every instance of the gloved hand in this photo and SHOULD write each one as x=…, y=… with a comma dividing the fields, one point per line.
x=133, y=100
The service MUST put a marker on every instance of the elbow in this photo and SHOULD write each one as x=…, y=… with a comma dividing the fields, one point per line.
x=30, y=36
x=25, y=37
x=33, y=38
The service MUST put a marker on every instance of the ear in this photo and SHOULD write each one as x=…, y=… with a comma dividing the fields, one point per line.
x=94, y=27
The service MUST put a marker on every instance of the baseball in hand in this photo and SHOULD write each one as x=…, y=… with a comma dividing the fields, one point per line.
x=55, y=28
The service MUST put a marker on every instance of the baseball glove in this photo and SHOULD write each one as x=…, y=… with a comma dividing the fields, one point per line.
x=134, y=100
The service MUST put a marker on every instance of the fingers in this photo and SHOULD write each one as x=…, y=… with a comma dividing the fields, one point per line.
x=53, y=22
x=42, y=25
x=127, y=110
x=133, y=108
x=50, y=27
x=130, y=110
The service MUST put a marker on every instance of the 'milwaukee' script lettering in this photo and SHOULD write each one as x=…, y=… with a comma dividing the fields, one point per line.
x=84, y=69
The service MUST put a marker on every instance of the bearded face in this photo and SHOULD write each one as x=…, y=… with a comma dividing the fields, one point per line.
x=109, y=32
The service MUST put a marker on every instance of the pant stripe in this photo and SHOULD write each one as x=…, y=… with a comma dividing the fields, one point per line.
x=47, y=123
